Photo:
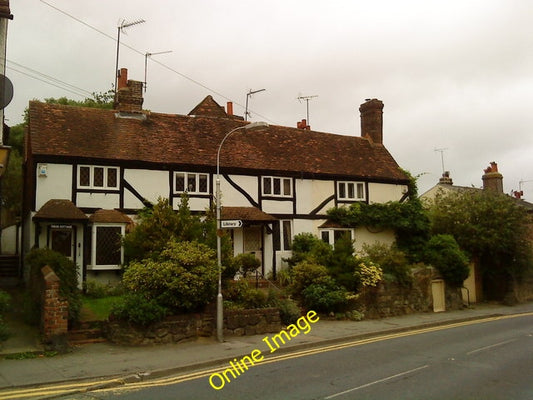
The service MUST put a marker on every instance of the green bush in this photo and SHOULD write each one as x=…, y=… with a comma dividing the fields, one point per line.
x=138, y=310
x=443, y=253
x=307, y=273
x=97, y=290
x=65, y=270
x=324, y=297
x=183, y=278
x=393, y=262
x=5, y=302
x=289, y=311
x=306, y=246
x=247, y=263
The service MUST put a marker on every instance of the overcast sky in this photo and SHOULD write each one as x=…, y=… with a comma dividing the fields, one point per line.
x=453, y=75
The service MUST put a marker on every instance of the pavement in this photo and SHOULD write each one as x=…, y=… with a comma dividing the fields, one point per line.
x=102, y=361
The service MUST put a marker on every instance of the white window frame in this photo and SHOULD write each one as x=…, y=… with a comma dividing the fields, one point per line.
x=94, y=266
x=186, y=176
x=331, y=234
x=347, y=196
x=105, y=185
x=282, y=181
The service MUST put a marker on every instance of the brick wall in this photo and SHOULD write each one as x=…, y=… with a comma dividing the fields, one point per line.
x=54, y=313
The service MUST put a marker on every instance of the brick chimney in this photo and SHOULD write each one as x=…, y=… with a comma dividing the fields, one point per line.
x=372, y=120
x=129, y=94
x=446, y=179
x=303, y=125
x=492, y=179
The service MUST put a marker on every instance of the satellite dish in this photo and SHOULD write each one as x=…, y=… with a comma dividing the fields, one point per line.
x=6, y=91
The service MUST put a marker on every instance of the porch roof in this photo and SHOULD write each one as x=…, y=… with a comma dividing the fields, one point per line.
x=110, y=216
x=60, y=210
x=251, y=214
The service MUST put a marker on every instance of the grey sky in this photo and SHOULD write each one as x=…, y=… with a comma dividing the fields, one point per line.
x=452, y=74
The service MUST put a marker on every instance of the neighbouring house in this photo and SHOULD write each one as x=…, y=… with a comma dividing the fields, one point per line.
x=492, y=181
x=89, y=171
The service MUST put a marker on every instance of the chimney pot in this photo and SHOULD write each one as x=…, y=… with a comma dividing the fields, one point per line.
x=229, y=107
x=122, y=78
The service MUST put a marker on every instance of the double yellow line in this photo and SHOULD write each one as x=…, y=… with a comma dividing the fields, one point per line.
x=119, y=384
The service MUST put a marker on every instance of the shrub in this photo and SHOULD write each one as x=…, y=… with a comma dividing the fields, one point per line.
x=65, y=270
x=289, y=311
x=97, y=290
x=324, y=297
x=306, y=246
x=284, y=277
x=343, y=262
x=246, y=263
x=443, y=253
x=307, y=273
x=368, y=274
x=138, y=310
x=5, y=301
x=183, y=278
x=393, y=262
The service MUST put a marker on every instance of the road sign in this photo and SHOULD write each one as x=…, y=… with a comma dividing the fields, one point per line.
x=231, y=223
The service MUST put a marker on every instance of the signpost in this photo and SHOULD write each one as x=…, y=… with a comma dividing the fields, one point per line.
x=231, y=223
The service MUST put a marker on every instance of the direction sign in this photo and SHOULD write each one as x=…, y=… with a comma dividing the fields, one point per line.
x=231, y=223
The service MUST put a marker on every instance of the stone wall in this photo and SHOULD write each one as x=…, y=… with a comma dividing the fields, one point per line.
x=390, y=299
x=54, y=313
x=191, y=326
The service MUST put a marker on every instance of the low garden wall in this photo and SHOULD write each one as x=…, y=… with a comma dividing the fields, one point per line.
x=389, y=299
x=191, y=326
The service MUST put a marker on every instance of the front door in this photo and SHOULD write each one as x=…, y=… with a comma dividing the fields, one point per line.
x=253, y=241
x=62, y=240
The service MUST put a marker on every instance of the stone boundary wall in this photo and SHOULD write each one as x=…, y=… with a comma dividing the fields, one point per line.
x=390, y=299
x=191, y=326
x=54, y=313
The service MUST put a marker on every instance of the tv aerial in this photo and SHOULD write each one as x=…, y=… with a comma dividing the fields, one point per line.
x=248, y=95
x=146, y=55
x=306, y=99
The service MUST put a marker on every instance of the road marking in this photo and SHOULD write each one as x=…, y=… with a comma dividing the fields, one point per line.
x=376, y=382
x=490, y=347
x=89, y=386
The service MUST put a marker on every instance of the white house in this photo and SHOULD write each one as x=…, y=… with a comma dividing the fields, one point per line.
x=88, y=172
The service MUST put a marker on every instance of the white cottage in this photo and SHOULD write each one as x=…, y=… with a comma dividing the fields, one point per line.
x=89, y=171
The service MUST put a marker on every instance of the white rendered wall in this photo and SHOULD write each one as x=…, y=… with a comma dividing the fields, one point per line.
x=57, y=184
x=311, y=193
x=384, y=192
x=149, y=184
x=232, y=197
x=364, y=236
x=107, y=201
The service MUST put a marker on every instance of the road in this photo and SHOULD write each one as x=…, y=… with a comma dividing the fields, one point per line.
x=488, y=360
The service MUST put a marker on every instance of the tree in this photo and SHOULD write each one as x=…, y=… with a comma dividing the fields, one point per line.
x=444, y=253
x=493, y=228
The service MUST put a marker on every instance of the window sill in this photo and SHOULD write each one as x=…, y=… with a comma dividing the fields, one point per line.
x=103, y=267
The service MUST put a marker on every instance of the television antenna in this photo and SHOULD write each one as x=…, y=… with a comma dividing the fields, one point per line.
x=146, y=55
x=441, y=151
x=306, y=99
x=248, y=95
x=120, y=28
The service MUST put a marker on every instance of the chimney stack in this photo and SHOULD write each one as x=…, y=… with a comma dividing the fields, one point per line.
x=492, y=179
x=303, y=125
x=129, y=93
x=372, y=120
x=446, y=179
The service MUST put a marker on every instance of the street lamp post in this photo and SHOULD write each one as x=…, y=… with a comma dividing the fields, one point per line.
x=220, y=313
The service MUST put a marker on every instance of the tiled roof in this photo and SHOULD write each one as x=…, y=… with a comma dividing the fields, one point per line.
x=110, y=216
x=60, y=210
x=178, y=140
x=245, y=214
